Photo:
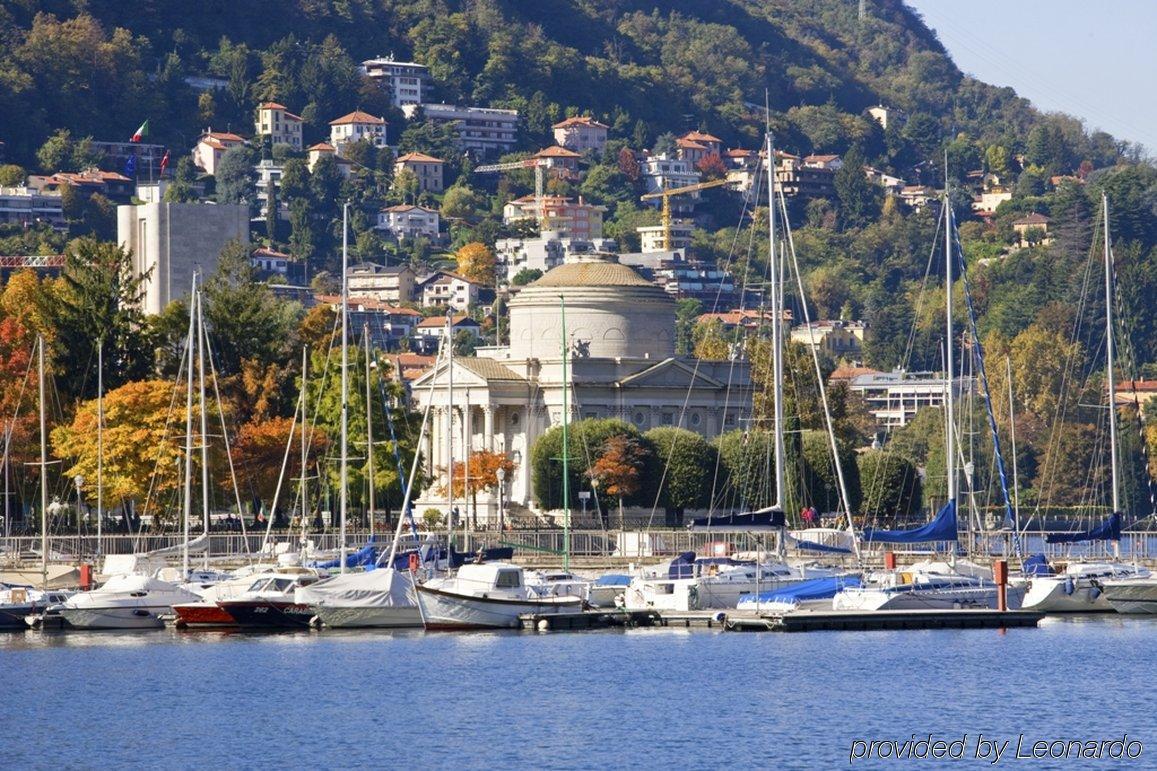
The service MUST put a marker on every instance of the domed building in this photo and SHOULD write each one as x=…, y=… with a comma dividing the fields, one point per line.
x=620, y=338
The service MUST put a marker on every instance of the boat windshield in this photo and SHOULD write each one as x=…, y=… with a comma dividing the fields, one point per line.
x=507, y=579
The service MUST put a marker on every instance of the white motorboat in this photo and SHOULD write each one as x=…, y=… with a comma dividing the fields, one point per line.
x=927, y=585
x=1137, y=595
x=125, y=602
x=488, y=596
x=550, y=583
x=381, y=598
x=607, y=591
x=18, y=602
x=270, y=602
x=1080, y=587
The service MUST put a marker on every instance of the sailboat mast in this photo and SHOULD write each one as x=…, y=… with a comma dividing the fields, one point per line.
x=369, y=428
x=950, y=397
x=304, y=440
x=345, y=383
x=449, y=342
x=1012, y=436
x=565, y=445
x=204, y=424
x=99, y=441
x=776, y=333
x=43, y=466
x=1109, y=359
x=187, y=506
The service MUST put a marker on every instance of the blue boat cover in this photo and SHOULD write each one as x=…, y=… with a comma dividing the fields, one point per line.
x=1037, y=565
x=367, y=556
x=750, y=520
x=1109, y=530
x=682, y=566
x=613, y=579
x=813, y=546
x=941, y=528
x=816, y=589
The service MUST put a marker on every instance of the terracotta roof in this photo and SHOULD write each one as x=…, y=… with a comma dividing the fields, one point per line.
x=687, y=144
x=366, y=303
x=357, y=116
x=821, y=158
x=557, y=152
x=418, y=158
x=592, y=274
x=739, y=317
x=409, y=207
x=265, y=251
x=439, y=321
x=222, y=136
x=739, y=152
x=848, y=371
x=580, y=120
x=271, y=106
x=1126, y=386
x=699, y=136
x=322, y=147
x=1033, y=219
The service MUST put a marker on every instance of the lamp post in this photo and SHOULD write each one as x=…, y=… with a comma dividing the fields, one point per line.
x=501, y=474
x=78, y=480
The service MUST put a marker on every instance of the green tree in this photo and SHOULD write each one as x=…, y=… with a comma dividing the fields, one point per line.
x=587, y=441
x=891, y=487
x=747, y=458
x=821, y=484
x=859, y=198
x=235, y=176
x=683, y=466
x=526, y=276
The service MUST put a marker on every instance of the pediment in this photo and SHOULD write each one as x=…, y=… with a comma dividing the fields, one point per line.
x=670, y=373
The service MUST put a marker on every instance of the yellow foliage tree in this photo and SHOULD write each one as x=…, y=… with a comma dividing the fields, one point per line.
x=476, y=262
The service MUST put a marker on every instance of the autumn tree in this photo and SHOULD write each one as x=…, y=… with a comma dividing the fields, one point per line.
x=476, y=262
x=619, y=468
x=586, y=443
x=711, y=166
x=479, y=472
x=260, y=448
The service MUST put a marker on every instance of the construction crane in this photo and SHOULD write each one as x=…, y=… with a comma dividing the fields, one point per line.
x=668, y=193
x=538, y=164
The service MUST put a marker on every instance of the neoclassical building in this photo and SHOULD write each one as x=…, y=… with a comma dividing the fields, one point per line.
x=620, y=333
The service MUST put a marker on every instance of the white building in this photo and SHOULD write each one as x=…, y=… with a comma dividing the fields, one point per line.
x=279, y=124
x=623, y=365
x=842, y=339
x=268, y=173
x=547, y=251
x=484, y=129
x=651, y=237
x=387, y=283
x=320, y=150
x=211, y=146
x=661, y=172
x=357, y=126
x=26, y=207
x=406, y=82
x=581, y=133
x=172, y=240
x=405, y=221
x=579, y=219
x=444, y=289
x=894, y=398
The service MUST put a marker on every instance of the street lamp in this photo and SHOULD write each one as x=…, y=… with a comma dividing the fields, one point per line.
x=78, y=480
x=501, y=473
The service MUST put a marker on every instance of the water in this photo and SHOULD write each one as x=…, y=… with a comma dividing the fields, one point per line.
x=644, y=698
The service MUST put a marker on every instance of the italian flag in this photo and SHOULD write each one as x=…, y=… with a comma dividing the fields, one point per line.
x=141, y=133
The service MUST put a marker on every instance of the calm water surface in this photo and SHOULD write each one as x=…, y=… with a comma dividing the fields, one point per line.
x=647, y=698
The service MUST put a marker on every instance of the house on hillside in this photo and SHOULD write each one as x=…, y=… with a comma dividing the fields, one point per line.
x=357, y=126
x=322, y=149
x=279, y=124
x=580, y=134
x=387, y=283
x=430, y=331
x=559, y=159
x=407, y=221
x=427, y=168
x=1032, y=230
x=445, y=288
x=211, y=146
x=712, y=144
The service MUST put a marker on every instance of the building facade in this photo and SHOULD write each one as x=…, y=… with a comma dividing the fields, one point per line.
x=406, y=82
x=386, y=283
x=580, y=134
x=484, y=130
x=279, y=124
x=405, y=221
x=426, y=168
x=357, y=126
x=211, y=146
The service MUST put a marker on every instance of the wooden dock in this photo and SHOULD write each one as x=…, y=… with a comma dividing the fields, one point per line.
x=796, y=621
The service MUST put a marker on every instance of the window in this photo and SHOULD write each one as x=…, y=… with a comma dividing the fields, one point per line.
x=668, y=418
x=508, y=579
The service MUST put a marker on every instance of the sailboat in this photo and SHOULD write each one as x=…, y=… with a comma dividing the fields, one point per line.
x=1083, y=587
x=931, y=584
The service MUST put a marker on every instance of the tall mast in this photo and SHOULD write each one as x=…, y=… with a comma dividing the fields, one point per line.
x=99, y=440
x=345, y=382
x=950, y=397
x=187, y=507
x=776, y=333
x=304, y=440
x=204, y=425
x=449, y=341
x=565, y=445
x=43, y=467
x=1012, y=435
x=369, y=428
x=1109, y=359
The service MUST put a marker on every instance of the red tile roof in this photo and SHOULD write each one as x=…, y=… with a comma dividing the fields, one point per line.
x=1033, y=219
x=271, y=106
x=699, y=136
x=418, y=158
x=357, y=116
x=557, y=152
x=580, y=120
x=322, y=147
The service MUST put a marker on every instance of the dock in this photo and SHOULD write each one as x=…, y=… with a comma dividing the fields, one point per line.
x=794, y=621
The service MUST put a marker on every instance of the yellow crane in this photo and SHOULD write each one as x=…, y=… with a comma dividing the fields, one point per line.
x=673, y=191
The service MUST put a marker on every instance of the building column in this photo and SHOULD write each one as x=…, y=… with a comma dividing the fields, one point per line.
x=488, y=427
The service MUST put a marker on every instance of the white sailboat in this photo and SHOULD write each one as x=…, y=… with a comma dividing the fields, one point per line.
x=1084, y=587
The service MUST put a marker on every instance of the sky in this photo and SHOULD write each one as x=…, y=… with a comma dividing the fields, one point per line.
x=1095, y=59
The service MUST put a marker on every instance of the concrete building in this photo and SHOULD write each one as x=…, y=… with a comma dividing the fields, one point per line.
x=322, y=149
x=268, y=177
x=172, y=240
x=1032, y=228
x=405, y=82
x=560, y=160
x=842, y=339
x=444, y=288
x=426, y=168
x=406, y=221
x=357, y=126
x=651, y=237
x=429, y=331
x=712, y=144
x=26, y=207
x=661, y=172
x=211, y=146
x=548, y=251
x=580, y=134
x=387, y=283
x=279, y=124
x=894, y=398
x=579, y=219
x=482, y=129
x=622, y=365
x=390, y=326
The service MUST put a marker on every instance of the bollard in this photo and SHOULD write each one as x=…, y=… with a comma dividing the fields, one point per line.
x=1000, y=576
x=890, y=560
x=85, y=576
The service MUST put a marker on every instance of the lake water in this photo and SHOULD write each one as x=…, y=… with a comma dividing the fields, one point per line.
x=642, y=698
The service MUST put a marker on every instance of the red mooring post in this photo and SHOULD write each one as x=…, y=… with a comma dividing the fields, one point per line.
x=1000, y=575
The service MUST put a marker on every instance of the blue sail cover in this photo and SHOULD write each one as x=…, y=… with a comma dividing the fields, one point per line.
x=367, y=556
x=1109, y=530
x=941, y=528
x=813, y=546
x=816, y=589
x=747, y=520
x=1037, y=565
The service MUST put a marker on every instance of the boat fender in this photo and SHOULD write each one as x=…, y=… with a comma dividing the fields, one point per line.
x=719, y=617
x=414, y=563
x=1069, y=588
x=543, y=625
x=1094, y=592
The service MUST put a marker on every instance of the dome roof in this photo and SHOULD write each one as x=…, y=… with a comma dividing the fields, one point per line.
x=591, y=273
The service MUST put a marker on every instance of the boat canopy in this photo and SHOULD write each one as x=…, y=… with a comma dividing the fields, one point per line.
x=941, y=528
x=816, y=589
x=1037, y=565
x=1109, y=530
x=372, y=589
x=815, y=546
x=367, y=556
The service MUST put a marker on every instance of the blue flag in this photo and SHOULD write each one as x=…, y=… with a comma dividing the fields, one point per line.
x=131, y=166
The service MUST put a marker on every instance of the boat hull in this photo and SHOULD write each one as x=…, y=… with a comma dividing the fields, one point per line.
x=268, y=614
x=125, y=617
x=202, y=614
x=917, y=599
x=1062, y=594
x=388, y=617
x=12, y=616
x=1136, y=599
x=448, y=611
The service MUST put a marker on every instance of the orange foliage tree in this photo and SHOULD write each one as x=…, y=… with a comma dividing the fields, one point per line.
x=619, y=468
x=259, y=450
x=478, y=472
x=476, y=262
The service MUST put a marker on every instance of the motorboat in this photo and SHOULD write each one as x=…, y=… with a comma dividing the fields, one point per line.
x=606, y=591
x=491, y=595
x=19, y=602
x=270, y=603
x=1077, y=587
x=124, y=602
x=381, y=598
x=205, y=613
x=1136, y=595
x=557, y=583
x=927, y=585
x=816, y=594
